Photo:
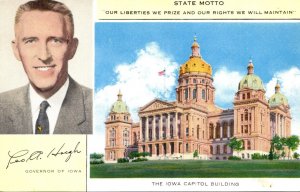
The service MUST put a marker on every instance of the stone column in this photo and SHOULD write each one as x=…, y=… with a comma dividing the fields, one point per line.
x=168, y=126
x=176, y=147
x=161, y=151
x=228, y=130
x=252, y=120
x=160, y=127
x=168, y=148
x=147, y=129
x=221, y=131
x=154, y=128
x=214, y=136
x=175, y=128
x=141, y=130
x=153, y=150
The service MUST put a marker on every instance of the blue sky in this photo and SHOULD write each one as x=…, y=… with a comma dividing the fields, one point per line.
x=272, y=46
x=129, y=55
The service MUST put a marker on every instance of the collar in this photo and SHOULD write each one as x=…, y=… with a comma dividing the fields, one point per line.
x=54, y=100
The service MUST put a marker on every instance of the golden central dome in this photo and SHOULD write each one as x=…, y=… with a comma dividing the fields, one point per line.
x=195, y=63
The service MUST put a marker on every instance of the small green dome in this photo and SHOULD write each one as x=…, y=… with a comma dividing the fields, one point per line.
x=251, y=81
x=278, y=98
x=119, y=106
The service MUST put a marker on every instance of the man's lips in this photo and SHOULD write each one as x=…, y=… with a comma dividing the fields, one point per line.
x=44, y=68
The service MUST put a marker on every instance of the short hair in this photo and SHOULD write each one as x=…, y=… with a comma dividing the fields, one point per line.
x=47, y=5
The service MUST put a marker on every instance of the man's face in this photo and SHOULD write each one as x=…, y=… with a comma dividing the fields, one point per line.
x=44, y=46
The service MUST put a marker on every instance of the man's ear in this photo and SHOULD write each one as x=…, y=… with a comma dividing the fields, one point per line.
x=15, y=50
x=72, y=48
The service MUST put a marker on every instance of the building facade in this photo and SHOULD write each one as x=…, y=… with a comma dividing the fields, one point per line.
x=176, y=129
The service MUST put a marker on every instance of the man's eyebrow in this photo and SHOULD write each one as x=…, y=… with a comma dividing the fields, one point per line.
x=29, y=38
x=59, y=38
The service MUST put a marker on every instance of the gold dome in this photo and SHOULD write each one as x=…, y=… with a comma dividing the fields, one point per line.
x=195, y=63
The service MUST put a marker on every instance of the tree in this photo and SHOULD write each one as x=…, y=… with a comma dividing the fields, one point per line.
x=292, y=143
x=278, y=143
x=271, y=153
x=236, y=144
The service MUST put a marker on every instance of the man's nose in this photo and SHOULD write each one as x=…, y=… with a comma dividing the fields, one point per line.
x=44, y=53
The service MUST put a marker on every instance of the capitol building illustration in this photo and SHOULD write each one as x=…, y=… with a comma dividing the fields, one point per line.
x=176, y=129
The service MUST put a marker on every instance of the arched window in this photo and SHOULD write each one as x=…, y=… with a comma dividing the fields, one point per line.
x=186, y=93
x=125, y=137
x=211, y=131
x=203, y=94
x=211, y=149
x=246, y=115
x=194, y=93
x=224, y=149
x=112, y=137
x=218, y=149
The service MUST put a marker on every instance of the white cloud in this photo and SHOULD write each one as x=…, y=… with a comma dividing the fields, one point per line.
x=139, y=83
x=289, y=81
x=226, y=84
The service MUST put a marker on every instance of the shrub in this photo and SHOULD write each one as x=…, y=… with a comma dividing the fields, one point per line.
x=140, y=159
x=234, y=158
x=256, y=156
x=96, y=161
x=123, y=160
x=144, y=154
x=96, y=156
x=195, y=154
x=133, y=154
x=296, y=155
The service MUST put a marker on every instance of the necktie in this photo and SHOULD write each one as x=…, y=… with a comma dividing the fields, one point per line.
x=42, y=122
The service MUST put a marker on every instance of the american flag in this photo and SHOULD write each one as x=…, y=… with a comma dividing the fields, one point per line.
x=161, y=73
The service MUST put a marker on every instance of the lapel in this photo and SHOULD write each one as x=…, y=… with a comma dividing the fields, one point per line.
x=18, y=112
x=72, y=116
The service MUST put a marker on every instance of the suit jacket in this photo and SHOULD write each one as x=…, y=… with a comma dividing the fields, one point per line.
x=75, y=116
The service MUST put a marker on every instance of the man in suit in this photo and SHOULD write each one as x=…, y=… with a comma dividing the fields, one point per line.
x=52, y=103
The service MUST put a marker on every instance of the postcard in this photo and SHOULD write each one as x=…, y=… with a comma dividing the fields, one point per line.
x=192, y=95
x=46, y=93
x=186, y=95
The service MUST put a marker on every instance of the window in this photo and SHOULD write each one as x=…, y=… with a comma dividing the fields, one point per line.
x=186, y=93
x=203, y=94
x=246, y=115
x=125, y=137
x=248, y=95
x=194, y=81
x=246, y=129
x=249, y=145
x=194, y=93
x=242, y=128
x=187, y=81
x=243, y=96
x=242, y=117
x=211, y=131
x=218, y=149
x=187, y=132
x=224, y=149
x=211, y=150
x=187, y=147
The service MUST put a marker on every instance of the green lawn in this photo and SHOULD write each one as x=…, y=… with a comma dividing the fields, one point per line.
x=197, y=169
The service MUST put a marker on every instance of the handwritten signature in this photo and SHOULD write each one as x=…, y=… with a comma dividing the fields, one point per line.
x=25, y=155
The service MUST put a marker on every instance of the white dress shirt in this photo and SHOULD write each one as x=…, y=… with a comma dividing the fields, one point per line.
x=55, y=102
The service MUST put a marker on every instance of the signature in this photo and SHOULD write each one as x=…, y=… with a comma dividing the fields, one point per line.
x=25, y=155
